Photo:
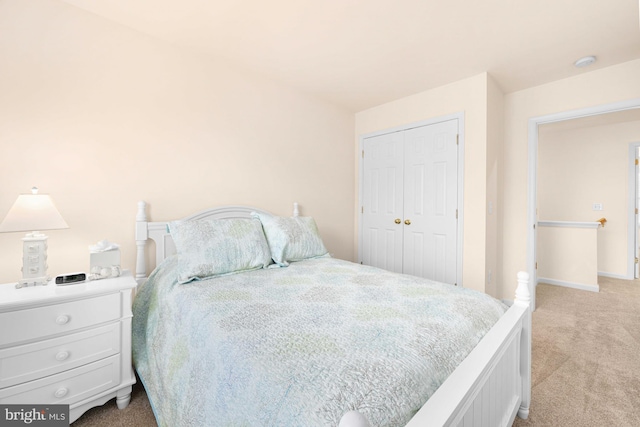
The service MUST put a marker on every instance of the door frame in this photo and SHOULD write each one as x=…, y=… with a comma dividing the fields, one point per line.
x=532, y=184
x=460, y=226
x=632, y=223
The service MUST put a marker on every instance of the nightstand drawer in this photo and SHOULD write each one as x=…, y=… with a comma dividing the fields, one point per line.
x=49, y=320
x=67, y=387
x=32, y=361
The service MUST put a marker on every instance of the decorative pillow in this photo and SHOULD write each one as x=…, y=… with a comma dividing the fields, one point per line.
x=212, y=247
x=291, y=239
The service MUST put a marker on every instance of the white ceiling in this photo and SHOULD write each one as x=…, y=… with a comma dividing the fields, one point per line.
x=361, y=53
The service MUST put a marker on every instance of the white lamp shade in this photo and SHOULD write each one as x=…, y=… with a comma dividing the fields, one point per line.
x=33, y=212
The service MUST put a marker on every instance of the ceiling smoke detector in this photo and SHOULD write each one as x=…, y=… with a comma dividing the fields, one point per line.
x=585, y=62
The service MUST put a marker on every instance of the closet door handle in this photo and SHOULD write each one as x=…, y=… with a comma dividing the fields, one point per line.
x=407, y=221
x=398, y=221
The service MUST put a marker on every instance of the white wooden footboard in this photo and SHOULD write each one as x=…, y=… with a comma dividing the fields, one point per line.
x=491, y=385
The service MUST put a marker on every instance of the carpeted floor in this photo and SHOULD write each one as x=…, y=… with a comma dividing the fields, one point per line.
x=586, y=362
x=586, y=356
x=137, y=414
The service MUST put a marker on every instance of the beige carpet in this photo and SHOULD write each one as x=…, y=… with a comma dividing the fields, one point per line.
x=586, y=362
x=137, y=414
x=586, y=356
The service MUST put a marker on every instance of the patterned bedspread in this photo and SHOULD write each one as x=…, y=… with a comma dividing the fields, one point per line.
x=301, y=345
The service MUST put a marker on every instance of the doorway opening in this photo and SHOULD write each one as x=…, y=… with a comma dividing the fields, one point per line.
x=532, y=189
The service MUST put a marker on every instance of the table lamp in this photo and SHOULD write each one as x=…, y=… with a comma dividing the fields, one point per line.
x=33, y=212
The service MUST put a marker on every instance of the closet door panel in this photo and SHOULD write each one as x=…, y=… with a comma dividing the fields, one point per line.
x=430, y=203
x=383, y=165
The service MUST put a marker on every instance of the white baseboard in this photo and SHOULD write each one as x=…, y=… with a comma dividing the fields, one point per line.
x=615, y=276
x=564, y=283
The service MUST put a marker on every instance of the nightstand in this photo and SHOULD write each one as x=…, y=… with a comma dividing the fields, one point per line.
x=67, y=344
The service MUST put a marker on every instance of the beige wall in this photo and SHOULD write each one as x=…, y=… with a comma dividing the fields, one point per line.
x=580, y=167
x=87, y=106
x=495, y=149
x=100, y=116
x=607, y=85
x=468, y=96
x=568, y=254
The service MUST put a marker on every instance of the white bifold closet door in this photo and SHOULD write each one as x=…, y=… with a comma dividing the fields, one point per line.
x=410, y=199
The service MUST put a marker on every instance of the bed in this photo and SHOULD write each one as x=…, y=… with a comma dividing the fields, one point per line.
x=314, y=340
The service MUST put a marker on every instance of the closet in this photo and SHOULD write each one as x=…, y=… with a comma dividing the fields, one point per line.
x=409, y=194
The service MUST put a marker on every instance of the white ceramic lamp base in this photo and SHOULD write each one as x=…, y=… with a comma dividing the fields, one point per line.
x=34, y=260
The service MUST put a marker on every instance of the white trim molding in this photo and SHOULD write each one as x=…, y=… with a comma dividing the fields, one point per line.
x=569, y=224
x=631, y=215
x=614, y=275
x=566, y=284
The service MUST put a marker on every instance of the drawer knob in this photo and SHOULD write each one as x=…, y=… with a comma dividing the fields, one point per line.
x=63, y=355
x=61, y=392
x=62, y=319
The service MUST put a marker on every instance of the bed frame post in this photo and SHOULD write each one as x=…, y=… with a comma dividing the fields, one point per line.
x=523, y=299
x=142, y=234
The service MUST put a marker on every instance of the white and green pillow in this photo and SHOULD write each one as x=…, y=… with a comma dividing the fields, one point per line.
x=291, y=238
x=213, y=247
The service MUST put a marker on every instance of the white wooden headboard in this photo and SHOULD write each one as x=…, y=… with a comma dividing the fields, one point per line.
x=158, y=231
